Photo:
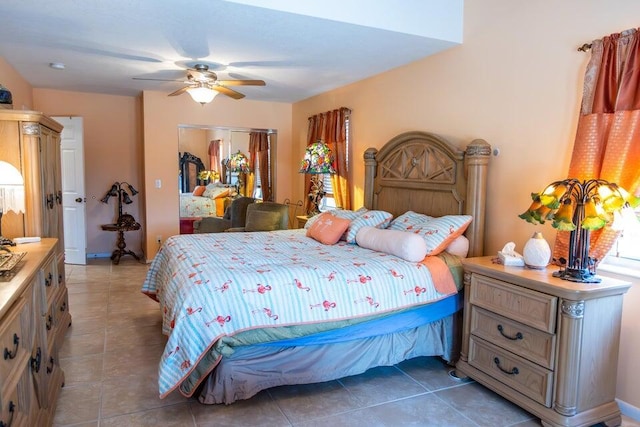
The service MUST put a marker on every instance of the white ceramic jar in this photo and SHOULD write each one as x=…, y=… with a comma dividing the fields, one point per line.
x=536, y=252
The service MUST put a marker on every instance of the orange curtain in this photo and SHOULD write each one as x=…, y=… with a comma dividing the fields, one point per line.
x=330, y=127
x=607, y=144
x=259, y=153
x=214, y=155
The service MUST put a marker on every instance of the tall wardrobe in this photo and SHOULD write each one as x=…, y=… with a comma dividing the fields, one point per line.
x=34, y=308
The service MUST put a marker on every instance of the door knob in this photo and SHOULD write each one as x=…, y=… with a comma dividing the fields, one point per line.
x=80, y=200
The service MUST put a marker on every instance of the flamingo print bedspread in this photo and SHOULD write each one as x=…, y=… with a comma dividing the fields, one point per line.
x=212, y=286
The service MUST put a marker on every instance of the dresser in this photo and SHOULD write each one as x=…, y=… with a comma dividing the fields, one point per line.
x=548, y=345
x=34, y=317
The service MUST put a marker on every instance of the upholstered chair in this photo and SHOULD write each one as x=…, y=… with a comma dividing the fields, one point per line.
x=234, y=217
x=266, y=216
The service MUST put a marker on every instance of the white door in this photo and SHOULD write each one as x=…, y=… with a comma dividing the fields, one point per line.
x=73, y=197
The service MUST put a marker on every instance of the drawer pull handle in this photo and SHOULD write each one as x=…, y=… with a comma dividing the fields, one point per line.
x=513, y=371
x=35, y=361
x=12, y=410
x=10, y=354
x=518, y=336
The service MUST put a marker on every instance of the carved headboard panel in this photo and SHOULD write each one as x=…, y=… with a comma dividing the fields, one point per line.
x=422, y=172
x=190, y=167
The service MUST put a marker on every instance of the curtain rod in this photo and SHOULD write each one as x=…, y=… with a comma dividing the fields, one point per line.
x=585, y=47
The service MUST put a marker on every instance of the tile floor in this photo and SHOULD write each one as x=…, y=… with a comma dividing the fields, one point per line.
x=111, y=353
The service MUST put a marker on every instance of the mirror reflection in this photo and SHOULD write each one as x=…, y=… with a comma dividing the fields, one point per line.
x=218, y=164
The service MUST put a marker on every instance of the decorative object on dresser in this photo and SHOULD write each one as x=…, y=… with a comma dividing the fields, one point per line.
x=317, y=161
x=6, y=99
x=536, y=252
x=579, y=207
x=549, y=346
x=11, y=194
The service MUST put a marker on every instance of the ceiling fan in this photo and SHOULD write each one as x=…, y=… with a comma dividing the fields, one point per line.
x=203, y=85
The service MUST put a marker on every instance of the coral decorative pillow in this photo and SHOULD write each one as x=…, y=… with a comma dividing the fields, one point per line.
x=198, y=190
x=407, y=246
x=328, y=228
x=439, y=232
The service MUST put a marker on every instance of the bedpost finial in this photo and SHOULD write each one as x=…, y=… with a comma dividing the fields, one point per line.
x=478, y=147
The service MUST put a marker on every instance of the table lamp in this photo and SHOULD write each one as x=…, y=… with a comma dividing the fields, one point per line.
x=578, y=207
x=11, y=194
x=317, y=161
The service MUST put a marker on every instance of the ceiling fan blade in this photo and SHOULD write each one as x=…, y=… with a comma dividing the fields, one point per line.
x=229, y=92
x=158, y=80
x=179, y=91
x=242, y=82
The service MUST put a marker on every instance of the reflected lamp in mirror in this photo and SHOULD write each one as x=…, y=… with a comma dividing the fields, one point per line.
x=317, y=161
x=202, y=93
x=579, y=207
x=239, y=163
x=11, y=194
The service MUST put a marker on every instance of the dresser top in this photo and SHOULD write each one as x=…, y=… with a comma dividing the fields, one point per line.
x=543, y=280
x=13, y=283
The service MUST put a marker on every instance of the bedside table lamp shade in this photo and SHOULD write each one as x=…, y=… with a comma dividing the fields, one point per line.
x=11, y=193
x=578, y=207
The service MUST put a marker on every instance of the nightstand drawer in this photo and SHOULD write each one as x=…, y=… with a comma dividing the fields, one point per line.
x=532, y=344
x=520, y=374
x=12, y=342
x=523, y=305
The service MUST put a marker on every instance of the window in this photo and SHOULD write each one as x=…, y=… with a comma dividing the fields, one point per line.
x=328, y=201
x=624, y=255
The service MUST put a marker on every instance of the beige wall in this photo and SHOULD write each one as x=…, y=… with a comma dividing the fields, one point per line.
x=19, y=87
x=163, y=114
x=515, y=82
x=112, y=153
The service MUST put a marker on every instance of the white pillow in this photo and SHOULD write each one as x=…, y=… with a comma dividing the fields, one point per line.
x=407, y=246
x=459, y=247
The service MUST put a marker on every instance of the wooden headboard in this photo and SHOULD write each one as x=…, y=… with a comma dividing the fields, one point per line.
x=424, y=173
x=190, y=167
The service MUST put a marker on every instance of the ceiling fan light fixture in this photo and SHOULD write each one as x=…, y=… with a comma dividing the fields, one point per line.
x=202, y=94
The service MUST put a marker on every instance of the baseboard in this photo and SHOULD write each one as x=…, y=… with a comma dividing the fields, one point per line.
x=99, y=255
x=629, y=410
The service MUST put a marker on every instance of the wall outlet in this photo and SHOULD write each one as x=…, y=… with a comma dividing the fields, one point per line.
x=159, y=238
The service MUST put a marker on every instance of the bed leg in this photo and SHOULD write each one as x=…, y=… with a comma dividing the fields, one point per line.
x=454, y=375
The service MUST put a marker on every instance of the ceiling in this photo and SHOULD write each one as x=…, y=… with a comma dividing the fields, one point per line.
x=299, y=48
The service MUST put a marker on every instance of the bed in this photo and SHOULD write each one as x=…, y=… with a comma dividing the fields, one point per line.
x=248, y=311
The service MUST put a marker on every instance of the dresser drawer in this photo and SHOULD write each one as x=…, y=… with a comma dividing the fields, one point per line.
x=520, y=374
x=520, y=304
x=12, y=341
x=533, y=344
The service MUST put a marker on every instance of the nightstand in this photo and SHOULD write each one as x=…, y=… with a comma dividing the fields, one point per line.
x=302, y=220
x=546, y=344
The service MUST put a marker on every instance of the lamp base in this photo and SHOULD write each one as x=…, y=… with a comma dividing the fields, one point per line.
x=577, y=275
x=6, y=242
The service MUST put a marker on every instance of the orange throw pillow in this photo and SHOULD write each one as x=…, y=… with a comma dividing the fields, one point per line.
x=328, y=228
x=198, y=190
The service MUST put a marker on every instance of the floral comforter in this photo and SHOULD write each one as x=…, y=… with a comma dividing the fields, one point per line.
x=196, y=206
x=213, y=286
